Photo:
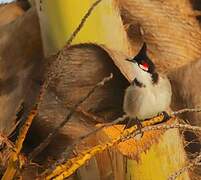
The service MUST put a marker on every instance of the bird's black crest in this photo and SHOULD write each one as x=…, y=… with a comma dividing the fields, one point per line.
x=143, y=57
x=142, y=54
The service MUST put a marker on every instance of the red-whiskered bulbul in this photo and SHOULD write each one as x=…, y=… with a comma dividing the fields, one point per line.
x=149, y=93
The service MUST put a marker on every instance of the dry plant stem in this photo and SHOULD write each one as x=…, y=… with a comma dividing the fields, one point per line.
x=8, y=143
x=51, y=74
x=185, y=168
x=69, y=167
x=11, y=169
x=74, y=34
x=92, y=117
x=166, y=127
x=44, y=144
x=195, y=13
x=56, y=64
x=185, y=111
x=118, y=120
x=66, y=152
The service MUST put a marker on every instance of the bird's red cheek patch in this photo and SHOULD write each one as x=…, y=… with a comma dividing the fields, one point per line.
x=144, y=66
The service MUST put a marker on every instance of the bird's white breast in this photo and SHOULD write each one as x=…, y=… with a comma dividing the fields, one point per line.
x=147, y=102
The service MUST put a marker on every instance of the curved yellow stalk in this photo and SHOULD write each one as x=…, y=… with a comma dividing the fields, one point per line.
x=63, y=171
x=14, y=160
x=60, y=18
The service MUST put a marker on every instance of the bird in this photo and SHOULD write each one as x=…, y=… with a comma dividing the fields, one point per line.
x=149, y=94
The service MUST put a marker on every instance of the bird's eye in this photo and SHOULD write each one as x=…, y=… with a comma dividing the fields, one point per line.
x=144, y=66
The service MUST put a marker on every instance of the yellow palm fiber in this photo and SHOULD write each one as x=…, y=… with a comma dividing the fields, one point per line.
x=12, y=164
x=67, y=169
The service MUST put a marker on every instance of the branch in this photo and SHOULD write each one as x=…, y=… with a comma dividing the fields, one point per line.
x=6, y=141
x=56, y=64
x=166, y=127
x=185, y=111
x=11, y=169
x=196, y=162
x=77, y=30
x=91, y=116
x=51, y=74
x=71, y=165
x=194, y=13
x=118, y=120
x=44, y=144
x=66, y=152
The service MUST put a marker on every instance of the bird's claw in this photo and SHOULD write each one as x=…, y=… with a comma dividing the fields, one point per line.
x=165, y=115
x=133, y=122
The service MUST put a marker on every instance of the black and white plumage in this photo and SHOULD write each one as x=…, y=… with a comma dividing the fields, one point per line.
x=150, y=93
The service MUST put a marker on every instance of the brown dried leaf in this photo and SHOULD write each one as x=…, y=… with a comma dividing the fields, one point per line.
x=9, y=12
x=173, y=37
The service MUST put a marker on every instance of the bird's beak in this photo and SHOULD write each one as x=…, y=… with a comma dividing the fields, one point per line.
x=130, y=60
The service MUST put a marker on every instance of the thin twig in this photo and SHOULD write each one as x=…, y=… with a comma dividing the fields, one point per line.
x=185, y=111
x=118, y=120
x=194, y=13
x=8, y=143
x=71, y=165
x=92, y=117
x=77, y=30
x=193, y=141
x=56, y=64
x=129, y=133
x=166, y=127
x=196, y=162
x=11, y=169
x=44, y=144
x=51, y=74
x=77, y=141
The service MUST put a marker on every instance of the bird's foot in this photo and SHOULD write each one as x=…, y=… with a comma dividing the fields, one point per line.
x=131, y=122
x=165, y=115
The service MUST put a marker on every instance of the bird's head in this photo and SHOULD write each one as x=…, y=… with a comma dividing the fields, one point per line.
x=144, y=66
